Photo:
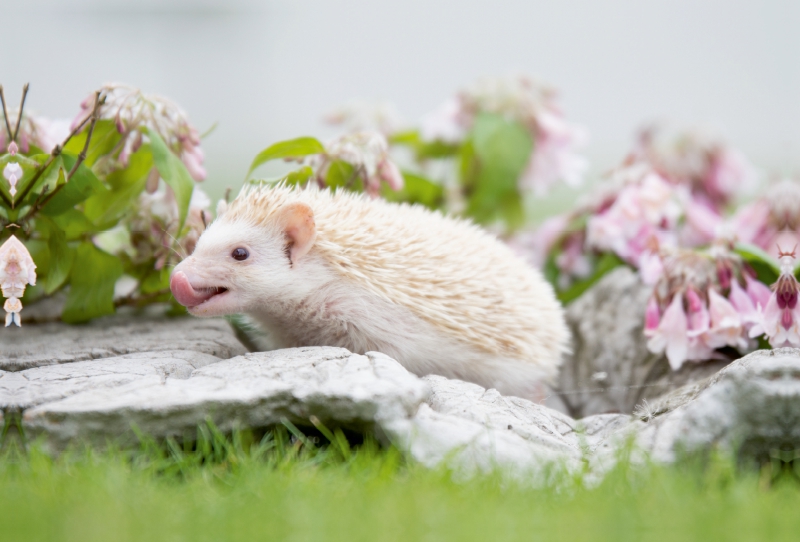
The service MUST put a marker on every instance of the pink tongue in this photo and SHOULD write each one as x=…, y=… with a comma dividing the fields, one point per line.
x=184, y=293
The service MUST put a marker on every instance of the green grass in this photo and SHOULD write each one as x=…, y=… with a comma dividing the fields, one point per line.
x=277, y=489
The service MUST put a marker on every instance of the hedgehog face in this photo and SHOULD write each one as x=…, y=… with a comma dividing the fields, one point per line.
x=239, y=266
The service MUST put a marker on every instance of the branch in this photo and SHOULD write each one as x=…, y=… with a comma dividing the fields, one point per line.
x=56, y=151
x=19, y=115
x=82, y=155
x=5, y=115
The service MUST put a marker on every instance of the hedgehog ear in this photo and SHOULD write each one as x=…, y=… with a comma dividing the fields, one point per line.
x=297, y=221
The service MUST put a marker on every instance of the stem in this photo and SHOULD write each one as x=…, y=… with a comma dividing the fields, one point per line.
x=56, y=151
x=5, y=114
x=19, y=115
x=82, y=155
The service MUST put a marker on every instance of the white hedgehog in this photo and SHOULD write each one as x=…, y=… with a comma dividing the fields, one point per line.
x=322, y=268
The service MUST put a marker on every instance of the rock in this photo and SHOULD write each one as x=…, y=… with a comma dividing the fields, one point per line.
x=479, y=430
x=95, y=383
x=26, y=347
x=751, y=407
x=611, y=370
x=255, y=390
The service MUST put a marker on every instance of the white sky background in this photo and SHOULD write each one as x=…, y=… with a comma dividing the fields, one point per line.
x=269, y=70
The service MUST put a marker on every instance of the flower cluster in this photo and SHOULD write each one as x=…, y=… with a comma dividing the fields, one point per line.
x=17, y=271
x=154, y=228
x=771, y=221
x=702, y=301
x=535, y=107
x=714, y=172
x=132, y=111
x=644, y=215
x=368, y=153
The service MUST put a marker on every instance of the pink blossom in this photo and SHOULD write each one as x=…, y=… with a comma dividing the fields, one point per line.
x=780, y=318
x=533, y=105
x=650, y=267
x=671, y=334
x=390, y=173
x=726, y=323
x=771, y=221
x=697, y=282
x=554, y=158
x=368, y=153
x=643, y=213
x=17, y=270
x=133, y=112
x=714, y=172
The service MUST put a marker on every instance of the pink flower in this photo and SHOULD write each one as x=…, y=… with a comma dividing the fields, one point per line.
x=368, y=153
x=771, y=221
x=644, y=212
x=780, y=318
x=133, y=112
x=533, y=105
x=726, y=323
x=553, y=158
x=650, y=267
x=671, y=334
x=698, y=281
x=17, y=270
x=714, y=172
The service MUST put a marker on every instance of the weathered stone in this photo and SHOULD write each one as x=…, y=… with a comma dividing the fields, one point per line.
x=254, y=390
x=611, y=370
x=56, y=343
x=751, y=407
x=171, y=376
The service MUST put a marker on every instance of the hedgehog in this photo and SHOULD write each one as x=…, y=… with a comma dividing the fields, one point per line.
x=316, y=267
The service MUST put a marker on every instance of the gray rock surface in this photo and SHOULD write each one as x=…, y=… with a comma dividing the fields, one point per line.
x=610, y=369
x=56, y=343
x=95, y=383
x=751, y=407
x=169, y=398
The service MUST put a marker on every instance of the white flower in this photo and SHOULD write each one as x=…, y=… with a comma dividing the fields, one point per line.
x=17, y=270
x=12, y=173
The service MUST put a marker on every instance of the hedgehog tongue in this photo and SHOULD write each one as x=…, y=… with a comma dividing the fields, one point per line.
x=185, y=294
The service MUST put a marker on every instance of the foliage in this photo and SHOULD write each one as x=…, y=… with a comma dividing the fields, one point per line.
x=88, y=204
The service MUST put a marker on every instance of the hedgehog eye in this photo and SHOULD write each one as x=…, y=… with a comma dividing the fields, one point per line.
x=240, y=254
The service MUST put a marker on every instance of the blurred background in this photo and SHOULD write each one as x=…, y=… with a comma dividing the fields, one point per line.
x=270, y=70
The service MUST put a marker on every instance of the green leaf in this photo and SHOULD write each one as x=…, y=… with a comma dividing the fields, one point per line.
x=92, y=281
x=81, y=186
x=174, y=174
x=501, y=151
x=766, y=267
x=61, y=257
x=341, y=174
x=299, y=176
x=424, y=150
x=416, y=189
x=107, y=207
x=301, y=146
x=74, y=224
x=606, y=263
x=105, y=138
